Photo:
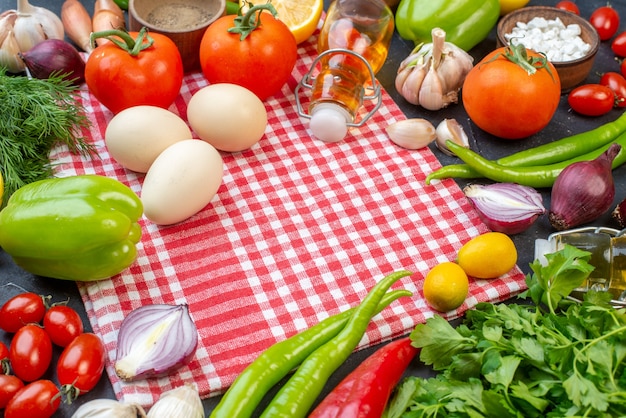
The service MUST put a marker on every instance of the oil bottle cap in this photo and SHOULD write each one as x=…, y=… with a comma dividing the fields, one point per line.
x=329, y=122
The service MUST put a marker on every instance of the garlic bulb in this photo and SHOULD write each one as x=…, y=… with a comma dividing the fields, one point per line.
x=108, y=408
x=22, y=29
x=432, y=75
x=183, y=401
x=413, y=133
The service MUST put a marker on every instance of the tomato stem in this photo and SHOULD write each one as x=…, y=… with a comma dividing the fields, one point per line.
x=246, y=24
x=517, y=54
x=127, y=42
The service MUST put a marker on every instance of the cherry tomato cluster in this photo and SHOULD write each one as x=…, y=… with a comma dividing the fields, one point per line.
x=36, y=327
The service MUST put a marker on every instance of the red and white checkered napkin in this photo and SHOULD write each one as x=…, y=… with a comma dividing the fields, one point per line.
x=299, y=230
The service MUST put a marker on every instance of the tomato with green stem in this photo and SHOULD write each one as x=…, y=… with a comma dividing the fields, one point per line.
x=21, y=309
x=256, y=51
x=63, y=324
x=617, y=83
x=30, y=352
x=512, y=93
x=81, y=364
x=135, y=68
x=40, y=399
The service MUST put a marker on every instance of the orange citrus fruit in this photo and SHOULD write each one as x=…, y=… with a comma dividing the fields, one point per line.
x=300, y=16
x=488, y=256
x=446, y=286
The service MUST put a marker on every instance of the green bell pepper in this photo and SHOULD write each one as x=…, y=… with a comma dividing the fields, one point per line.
x=79, y=228
x=466, y=22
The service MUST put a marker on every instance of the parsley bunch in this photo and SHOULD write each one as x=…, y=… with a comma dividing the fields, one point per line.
x=35, y=115
x=553, y=358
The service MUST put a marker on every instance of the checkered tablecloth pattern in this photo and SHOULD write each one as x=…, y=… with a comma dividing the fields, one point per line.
x=299, y=230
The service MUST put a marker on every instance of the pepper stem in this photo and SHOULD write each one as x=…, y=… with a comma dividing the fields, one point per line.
x=246, y=24
x=124, y=40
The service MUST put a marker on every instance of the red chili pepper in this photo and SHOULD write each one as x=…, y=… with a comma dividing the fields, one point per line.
x=365, y=392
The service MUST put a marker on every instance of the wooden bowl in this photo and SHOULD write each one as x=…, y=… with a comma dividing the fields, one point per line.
x=571, y=73
x=183, y=21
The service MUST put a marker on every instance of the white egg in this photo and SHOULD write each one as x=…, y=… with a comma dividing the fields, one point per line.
x=181, y=182
x=137, y=135
x=227, y=116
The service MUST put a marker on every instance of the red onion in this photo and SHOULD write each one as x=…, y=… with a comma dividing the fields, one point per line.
x=55, y=56
x=583, y=191
x=506, y=207
x=154, y=340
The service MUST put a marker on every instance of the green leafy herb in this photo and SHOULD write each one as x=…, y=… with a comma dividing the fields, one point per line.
x=553, y=358
x=35, y=115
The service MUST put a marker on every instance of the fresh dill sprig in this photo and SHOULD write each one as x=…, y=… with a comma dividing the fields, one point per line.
x=36, y=115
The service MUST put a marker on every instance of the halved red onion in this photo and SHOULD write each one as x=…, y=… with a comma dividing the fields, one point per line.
x=509, y=208
x=154, y=340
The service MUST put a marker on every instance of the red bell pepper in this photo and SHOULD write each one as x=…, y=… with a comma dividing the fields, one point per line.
x=366, y=390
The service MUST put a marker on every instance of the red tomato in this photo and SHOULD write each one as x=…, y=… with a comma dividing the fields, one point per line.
x=62, y=324
x=606, y=21
x=20, y=310
x=30, y=352
x=504, y=100
x=262, y=62
x=120, y=80
x=570, y=6
x=591, y=99
x=38, y=399
x=617, y=83
x=81, y=364
x=622, y=68
x=618, y=45
x=5, y=367
x=9, y=386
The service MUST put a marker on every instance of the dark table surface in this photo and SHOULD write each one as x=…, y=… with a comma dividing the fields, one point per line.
x=564, y=123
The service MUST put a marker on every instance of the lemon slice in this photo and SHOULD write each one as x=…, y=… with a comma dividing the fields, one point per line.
x=300, y=16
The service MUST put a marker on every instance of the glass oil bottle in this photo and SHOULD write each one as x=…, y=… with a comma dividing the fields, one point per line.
x=352, y=47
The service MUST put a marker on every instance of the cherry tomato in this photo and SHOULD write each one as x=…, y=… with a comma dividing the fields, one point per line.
x=618, y=45
x=262, y=62
x=617, y=83
x=591, y=99
x=63, y=324
x=606, y=21
x=504, y=100
x=20, y=310
x=9, y=386
x=5, y=367
x=120, y=80
x=39, y=399
x=570, y=6
x=30, y=352
x=81, y=364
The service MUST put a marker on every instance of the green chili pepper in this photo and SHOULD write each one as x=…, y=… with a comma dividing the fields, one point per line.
x=297, y=396
x=249, y=388
x=466, y=22
x=537, y=176
x=76, y=228
x=561, y=150
x=122, y=3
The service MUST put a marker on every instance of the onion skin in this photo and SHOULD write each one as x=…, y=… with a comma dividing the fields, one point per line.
x=55, y=56
x=506, y=207
x=155, y=340
x=583, y=191
x=619, y=213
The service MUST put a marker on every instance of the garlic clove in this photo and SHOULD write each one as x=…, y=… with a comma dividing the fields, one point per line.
x=411, y=87
x=412, y=134
x=183, y=401
x=9, y=54
x=431, y=92
x=107, y=408
x=450, y=129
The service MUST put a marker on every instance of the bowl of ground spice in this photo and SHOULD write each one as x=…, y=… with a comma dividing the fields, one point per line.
x=183, y=21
